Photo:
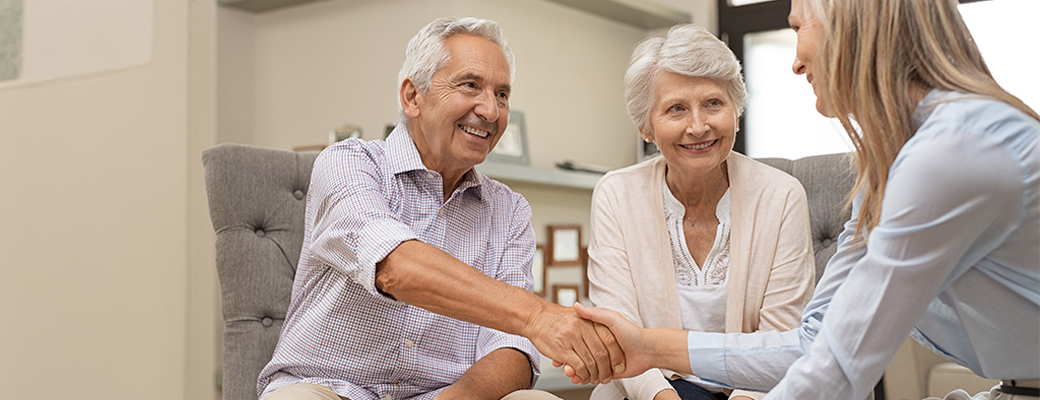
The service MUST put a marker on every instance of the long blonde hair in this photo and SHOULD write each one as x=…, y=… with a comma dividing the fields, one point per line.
x=873, y=52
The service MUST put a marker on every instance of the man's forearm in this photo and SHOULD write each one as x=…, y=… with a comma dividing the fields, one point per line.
x=429, y=278
x=424, y=276
x=497, y=374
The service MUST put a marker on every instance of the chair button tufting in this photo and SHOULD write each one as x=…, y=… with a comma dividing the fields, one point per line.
x=267, y=322
x=260, y=233
x=298, y=194
x=826, y=242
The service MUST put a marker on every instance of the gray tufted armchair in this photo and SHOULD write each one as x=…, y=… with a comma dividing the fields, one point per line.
x=257, y=199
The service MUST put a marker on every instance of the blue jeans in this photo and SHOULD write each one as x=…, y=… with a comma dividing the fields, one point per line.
x=690, y=391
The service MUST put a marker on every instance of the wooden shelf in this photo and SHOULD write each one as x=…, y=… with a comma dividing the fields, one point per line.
x=640, y=13
x=539, y=176
x=644, y=14
x=261, y=5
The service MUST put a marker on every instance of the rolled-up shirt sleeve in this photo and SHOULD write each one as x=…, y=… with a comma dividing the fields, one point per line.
x=514, y=268
x=354, y=227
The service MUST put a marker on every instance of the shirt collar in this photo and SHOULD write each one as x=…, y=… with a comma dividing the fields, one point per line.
x=401, y=152
x=403, y=157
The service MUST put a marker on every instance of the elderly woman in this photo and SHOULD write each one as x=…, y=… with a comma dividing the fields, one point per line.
x=701, y=238
x=942, y=244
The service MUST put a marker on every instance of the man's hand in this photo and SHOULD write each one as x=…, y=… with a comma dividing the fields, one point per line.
x=643, y=348
x=593, y=354
x=629, y=337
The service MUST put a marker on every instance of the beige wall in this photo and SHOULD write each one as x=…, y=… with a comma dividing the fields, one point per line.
x=108, y=266
x=287, y=77
x=97, y=213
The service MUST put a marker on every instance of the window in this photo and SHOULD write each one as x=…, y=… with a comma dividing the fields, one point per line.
x=780, y=117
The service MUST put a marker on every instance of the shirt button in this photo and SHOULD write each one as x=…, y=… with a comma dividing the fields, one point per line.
x=440, y=213
x=430, y=175
x=387, y=397
x=409, y=343
x=396, y=382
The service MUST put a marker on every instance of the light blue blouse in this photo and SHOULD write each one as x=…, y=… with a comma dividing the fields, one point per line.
x=954, y=262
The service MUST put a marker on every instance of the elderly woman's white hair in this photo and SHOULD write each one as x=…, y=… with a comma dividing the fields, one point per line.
x=686, y=50
x=426, y=54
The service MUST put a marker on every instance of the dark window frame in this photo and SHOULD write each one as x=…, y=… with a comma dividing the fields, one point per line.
x=737, y=21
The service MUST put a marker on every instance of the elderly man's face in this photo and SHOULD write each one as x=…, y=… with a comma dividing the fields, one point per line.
x=463, y=114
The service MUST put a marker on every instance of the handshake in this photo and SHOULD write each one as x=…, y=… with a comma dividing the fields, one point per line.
x=597, y=345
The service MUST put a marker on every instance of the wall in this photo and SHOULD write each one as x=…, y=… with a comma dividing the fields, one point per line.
x=316, y=66
x=101, y=178
x=107, y=245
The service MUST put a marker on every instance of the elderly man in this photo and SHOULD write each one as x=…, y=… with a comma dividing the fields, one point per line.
x=415, y=272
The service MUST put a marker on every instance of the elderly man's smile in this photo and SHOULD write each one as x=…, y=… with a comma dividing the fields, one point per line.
x=474, y=131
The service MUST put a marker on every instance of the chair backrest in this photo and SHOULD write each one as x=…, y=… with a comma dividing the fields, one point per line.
x=257, y=199
x=827, y=180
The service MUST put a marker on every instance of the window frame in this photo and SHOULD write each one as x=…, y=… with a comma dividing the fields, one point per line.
x=736, y=21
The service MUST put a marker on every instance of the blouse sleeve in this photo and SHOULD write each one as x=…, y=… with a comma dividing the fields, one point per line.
x=946, y=194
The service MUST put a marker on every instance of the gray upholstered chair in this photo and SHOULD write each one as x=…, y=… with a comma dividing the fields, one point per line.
x=257, y=198
x=827, y=180
x=256, y=203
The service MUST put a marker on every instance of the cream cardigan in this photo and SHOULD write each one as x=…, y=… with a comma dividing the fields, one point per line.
x=771, y=270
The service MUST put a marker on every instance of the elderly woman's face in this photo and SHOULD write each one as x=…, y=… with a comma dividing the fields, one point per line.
x=694, y=122
x=809, y=34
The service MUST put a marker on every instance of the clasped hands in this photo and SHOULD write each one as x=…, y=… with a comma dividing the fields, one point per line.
x=594, y=345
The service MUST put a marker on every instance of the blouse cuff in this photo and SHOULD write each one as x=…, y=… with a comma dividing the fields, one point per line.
x=707, y=355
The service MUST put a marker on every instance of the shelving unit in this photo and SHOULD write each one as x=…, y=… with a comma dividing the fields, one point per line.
x=640, y=13
x=540, y=176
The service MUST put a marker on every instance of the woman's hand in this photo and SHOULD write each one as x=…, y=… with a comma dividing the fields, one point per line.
x=643, y=348
x=630, y=337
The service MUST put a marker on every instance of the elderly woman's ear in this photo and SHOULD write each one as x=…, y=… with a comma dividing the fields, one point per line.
x=647, y=137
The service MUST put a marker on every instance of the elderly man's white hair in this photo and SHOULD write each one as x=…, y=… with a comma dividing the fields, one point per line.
x=426, y=54
x=686, y=50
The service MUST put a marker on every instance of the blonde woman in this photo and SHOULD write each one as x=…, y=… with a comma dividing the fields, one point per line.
x=943, y=243
x=700, y=238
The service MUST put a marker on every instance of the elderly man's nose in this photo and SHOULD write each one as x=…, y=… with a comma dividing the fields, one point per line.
x=487, y=107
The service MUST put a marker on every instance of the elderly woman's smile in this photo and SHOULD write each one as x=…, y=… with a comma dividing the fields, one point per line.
x=692, y=117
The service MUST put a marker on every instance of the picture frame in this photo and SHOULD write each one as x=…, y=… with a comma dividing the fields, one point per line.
x=538, y=270
x=512, y=146
x=646, y=150
x=565, y=295
x=585, y=269
x=564, y=245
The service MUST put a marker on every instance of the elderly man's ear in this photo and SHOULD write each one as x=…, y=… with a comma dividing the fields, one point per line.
x=409, y=98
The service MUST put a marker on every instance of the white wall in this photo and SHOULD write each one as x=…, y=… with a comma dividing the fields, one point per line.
x=96, y=211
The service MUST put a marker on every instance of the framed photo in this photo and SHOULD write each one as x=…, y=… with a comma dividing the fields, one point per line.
x=564, y=245
x=512, y=147
x=538, y=270
x=646, y=150
x=585, y=269
x=565, y=295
